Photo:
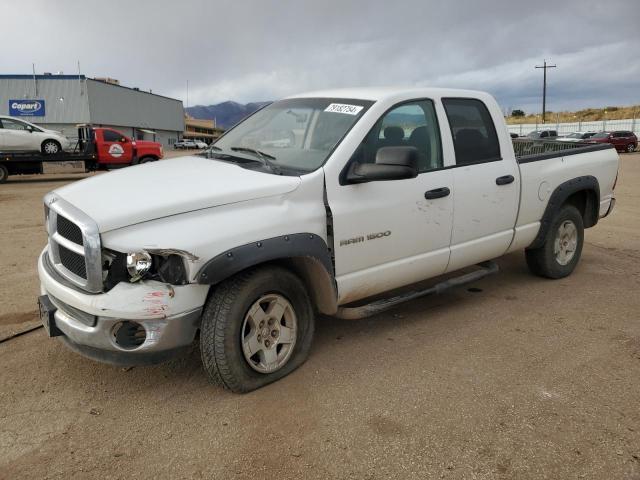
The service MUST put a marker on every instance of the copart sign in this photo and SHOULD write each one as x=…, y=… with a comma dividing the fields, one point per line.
x=26, y=108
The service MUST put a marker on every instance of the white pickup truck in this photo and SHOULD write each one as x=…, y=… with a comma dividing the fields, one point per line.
x=315, y=203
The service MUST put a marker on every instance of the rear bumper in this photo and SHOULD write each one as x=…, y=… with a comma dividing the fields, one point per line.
x=163, y=319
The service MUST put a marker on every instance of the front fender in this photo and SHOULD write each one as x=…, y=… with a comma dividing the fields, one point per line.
x=240, y=258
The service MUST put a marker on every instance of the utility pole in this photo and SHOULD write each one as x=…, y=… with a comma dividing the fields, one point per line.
x=544, y=88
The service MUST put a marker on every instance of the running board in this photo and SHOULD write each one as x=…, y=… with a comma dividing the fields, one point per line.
x=364, y=311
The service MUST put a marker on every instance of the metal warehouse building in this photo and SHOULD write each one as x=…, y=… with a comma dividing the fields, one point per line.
x=60, y=102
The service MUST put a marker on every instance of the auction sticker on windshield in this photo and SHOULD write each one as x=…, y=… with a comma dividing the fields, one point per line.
x=344, y=108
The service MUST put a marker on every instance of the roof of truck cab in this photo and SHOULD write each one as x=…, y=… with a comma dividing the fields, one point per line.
x=388, y=93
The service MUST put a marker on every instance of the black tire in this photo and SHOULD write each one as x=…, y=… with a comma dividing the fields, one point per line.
x=223, y=320
x=543, y=261
x=4, y=173
x=147, y=159
x=50, y=147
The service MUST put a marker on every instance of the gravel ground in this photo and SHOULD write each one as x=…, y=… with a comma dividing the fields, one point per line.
x=528, y=378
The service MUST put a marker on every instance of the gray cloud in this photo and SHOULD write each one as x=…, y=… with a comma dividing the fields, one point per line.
x=256, y=50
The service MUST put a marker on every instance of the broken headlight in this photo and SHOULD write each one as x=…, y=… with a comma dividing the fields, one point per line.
x=135, y=266
x=138, y=264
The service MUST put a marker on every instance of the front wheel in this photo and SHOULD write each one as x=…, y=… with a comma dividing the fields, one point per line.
x=631, y=147
x=51, y=147
x=562, y=247
x=257, y=327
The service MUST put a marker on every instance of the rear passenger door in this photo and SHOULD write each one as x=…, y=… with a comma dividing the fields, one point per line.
x=15, y=136
x=486, y=185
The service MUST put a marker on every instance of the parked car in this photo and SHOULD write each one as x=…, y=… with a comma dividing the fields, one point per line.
x=184, y=144
x=240, y=250
x=543, y=134
x=201, y=145
x=513, y=135
x=623, y=140
x=576, y=137
x=19, y=135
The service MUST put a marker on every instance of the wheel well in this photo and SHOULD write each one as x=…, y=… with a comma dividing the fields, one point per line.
x=319, y=283
x=50, y=140
x=587, y=204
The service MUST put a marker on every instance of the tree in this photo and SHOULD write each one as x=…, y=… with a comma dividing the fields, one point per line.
x=518, y=113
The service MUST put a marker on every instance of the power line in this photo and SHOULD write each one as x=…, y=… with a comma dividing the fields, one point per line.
x=544, y=88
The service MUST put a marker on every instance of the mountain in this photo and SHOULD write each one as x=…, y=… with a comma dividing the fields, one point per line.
x=226, y=114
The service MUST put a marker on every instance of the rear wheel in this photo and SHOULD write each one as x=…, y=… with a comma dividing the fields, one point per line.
x=50, y=147
x=147, y=159
x=562, y=247
x=631, y=147
x=257, y=327
x=4, y=173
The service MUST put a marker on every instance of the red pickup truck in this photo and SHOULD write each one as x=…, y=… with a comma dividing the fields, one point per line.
x=114, y=148
x=98, y=148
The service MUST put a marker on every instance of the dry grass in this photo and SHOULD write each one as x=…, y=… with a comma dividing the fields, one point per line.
x=586, y=115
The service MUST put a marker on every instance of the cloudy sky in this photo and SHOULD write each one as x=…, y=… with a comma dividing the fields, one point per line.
x=252, y=50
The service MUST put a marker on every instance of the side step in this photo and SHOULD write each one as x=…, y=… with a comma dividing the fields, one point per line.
x=364, y=311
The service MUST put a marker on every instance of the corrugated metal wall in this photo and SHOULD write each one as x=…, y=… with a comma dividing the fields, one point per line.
x=115, y=105
x=65, y=99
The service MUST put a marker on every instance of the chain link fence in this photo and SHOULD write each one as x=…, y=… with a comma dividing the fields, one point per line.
x=630, y=124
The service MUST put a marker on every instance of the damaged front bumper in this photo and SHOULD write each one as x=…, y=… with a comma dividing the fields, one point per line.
x=132, y=324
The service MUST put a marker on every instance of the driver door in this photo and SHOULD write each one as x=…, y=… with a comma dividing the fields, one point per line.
x=387, y=234
x=115, y=148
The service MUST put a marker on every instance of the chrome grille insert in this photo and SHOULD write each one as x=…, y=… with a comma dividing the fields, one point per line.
x=73, y=261
x=74, y=244
x=69, y=230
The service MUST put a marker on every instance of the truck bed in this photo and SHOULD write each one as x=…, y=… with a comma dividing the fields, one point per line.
x=528, y=150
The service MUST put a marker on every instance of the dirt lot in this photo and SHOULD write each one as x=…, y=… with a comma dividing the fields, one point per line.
x=528, y=378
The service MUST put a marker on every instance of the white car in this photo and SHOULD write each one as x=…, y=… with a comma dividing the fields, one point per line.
x=576, y=137
x=240, y=250
x=19, y=135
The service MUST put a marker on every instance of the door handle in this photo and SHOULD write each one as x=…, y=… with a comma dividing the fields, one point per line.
x=437, y=193
x=505, y=180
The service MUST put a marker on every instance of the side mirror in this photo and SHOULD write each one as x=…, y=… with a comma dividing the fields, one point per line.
x=29, y=128
x=392, y=163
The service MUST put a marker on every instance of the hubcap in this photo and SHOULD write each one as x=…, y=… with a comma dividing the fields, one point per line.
x=566, y=242
x=50, y=147
x=268, y=333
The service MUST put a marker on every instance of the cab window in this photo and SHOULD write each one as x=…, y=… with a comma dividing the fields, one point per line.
x=474, y=135
x=411, y=124
x=112, y=136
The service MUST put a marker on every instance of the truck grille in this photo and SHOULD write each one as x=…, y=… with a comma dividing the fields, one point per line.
x=74, y=244
x=69, y=230
x=73, y=261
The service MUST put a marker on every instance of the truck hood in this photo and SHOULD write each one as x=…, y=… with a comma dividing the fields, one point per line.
x=169, y=187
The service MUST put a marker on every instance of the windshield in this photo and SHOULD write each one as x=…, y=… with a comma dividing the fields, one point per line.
x=600, y=135
x=296, y=134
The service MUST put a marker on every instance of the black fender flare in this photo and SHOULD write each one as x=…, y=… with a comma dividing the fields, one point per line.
x=559, y=197
x=284, y=247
